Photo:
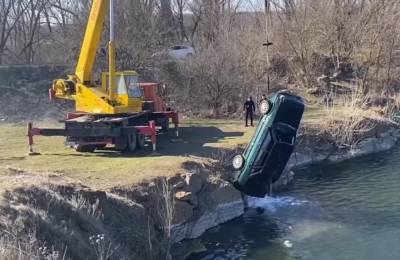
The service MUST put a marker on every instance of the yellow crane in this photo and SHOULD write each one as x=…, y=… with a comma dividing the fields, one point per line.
x=112, y=96
x=120, y=111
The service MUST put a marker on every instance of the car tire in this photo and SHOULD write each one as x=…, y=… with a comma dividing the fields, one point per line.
x=265, y=107
x=238, y=162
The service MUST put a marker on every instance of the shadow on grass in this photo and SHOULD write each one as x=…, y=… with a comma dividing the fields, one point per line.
x=194, y=140
x=191, y=142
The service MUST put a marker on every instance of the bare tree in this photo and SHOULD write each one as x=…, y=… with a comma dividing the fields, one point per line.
x=166, y=213
x=28, y=28
x=10, y=13
x=166, y=20
x=180, y=6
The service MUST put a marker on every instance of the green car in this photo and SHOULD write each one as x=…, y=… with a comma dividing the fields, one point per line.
x=266, y=156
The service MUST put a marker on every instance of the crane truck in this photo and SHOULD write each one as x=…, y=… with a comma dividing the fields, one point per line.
x=120, y=111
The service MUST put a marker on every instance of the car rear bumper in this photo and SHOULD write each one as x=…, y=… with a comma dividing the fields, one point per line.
x=253, y=187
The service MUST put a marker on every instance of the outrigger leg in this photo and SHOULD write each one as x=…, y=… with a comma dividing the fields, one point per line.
x=31, y=132
x=150, y=131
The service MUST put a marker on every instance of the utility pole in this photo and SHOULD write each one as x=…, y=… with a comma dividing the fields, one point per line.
x=267, y=44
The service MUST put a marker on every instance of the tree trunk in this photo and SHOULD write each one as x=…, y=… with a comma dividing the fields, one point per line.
x=166, y=20
x=182, y=25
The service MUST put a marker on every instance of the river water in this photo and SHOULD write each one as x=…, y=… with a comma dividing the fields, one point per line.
x=340, y=211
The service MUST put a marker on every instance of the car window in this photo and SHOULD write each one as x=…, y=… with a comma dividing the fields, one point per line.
x=134, y=91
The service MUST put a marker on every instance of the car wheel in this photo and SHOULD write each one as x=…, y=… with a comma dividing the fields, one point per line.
x=238, y=162
x=265, y=107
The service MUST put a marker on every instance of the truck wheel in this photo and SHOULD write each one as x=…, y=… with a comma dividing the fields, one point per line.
x=121, y=143
x=132, y=142
x=141, y=140
x=100, y=147
x=85, y=148
x=165, y=125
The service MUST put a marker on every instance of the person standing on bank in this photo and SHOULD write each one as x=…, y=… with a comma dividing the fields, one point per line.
x=249, y=108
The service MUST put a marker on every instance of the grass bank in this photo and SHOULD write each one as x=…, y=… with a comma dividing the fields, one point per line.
x=200, y=141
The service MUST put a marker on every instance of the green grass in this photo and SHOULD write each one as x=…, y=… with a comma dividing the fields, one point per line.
x=200, y=139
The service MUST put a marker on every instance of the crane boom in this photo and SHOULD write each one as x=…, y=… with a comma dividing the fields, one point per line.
x=111, y=55
x=91, y=41
x=119, y=92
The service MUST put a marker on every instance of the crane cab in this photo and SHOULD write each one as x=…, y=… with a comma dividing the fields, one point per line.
x=127, y=89
x=95, y=99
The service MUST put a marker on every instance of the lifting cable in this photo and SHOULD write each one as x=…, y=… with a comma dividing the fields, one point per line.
x=267, y=44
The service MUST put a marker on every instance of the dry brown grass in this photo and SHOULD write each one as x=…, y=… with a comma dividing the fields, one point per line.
x=348, y=118
x=26, y=247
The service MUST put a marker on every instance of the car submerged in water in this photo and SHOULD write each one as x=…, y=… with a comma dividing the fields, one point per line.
x=268, y=152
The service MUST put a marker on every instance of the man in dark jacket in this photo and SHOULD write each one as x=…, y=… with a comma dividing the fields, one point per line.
x=249, y=108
